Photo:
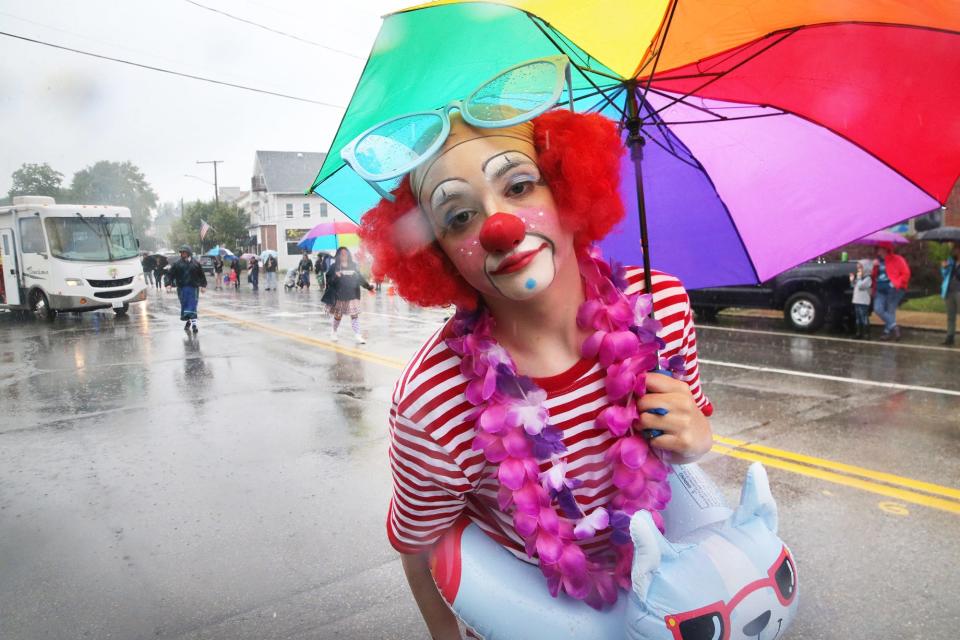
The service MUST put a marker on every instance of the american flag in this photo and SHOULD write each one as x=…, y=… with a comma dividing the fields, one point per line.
x=204, y=227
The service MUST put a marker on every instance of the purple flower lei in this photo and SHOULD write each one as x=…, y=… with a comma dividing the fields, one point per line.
x=514, y=433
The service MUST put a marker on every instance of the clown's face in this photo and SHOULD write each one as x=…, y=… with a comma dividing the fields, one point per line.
x=516, y=255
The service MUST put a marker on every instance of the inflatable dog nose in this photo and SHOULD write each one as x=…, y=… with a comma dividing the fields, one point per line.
x=501, y=232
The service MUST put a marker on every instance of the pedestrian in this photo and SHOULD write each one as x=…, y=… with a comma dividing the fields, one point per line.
x=148, y=264
x=304, y=268
x=891, y=275
x=319, y=270
x=254, y=276
x=235, y=273
x=160, y=264
x=500, y=222
x=950, y=291
x=342, y=295
x=270, y=268
x=861, y=300
x=217, y=272
x=187, y=276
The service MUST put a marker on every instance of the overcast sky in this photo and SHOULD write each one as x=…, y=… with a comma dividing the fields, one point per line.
x=71, y=110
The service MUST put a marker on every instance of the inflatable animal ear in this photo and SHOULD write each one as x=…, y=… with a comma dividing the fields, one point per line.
x=650, y=549
x=756, y=499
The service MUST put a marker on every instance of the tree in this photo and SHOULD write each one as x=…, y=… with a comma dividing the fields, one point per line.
x=36, y=180
x=116, y=183
x=227, y=221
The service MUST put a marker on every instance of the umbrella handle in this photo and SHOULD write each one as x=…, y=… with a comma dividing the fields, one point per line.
x=650, y=434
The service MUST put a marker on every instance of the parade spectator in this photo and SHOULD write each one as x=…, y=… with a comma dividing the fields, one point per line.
x=950, y=290
x=254, y=275
x=342, y=296
x=148, y=264
x=861, y=300
x=187, y=276
x=160, y=263
x=217, y=272
x=320, y=270
x=890, y=275
x=235, y=273
x=304, y=268
x=270, y=268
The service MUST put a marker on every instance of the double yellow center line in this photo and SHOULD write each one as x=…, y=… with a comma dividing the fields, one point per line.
x=878, y=482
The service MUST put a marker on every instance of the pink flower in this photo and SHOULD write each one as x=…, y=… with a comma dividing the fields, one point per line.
x=616, y=346
x=491, y=445
x=618, y=419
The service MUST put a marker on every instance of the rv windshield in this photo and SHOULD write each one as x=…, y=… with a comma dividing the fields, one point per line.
x=99, y=239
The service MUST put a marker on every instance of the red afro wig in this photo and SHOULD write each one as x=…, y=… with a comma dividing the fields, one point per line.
x=579, y=158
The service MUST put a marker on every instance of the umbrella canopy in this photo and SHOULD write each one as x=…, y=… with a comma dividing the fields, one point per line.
x=775, y=130
x=330, y=242
x=882, y=237
x=220, y=251
x=332, y=228
x=267, y=253
x=942, y=234
x=247, y=256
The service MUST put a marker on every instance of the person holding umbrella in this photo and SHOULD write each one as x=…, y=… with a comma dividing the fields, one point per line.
x=218, y=272
x=950, y=291
x=187, y=276
x=159, y=264
x=891, y=275
x=500, y=221
x=342, y=295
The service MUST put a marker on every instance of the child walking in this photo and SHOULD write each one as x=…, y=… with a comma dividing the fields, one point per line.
x=861, y=301
x=342, y=295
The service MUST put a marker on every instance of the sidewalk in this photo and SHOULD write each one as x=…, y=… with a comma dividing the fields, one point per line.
x=922, y=320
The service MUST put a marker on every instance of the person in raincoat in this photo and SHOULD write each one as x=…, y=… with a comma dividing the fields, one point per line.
x=342, y=295
x=950, y=291
x=254, y=276
x=304, y=268
x=187, y=276
x=891, y=276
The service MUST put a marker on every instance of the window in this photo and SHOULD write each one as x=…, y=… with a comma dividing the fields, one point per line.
x=323, y=209
x=293, y=236
x=31, y=236
x=289, y=209
x=306, y=209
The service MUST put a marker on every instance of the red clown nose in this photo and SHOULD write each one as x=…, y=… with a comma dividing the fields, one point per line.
x=501, y=232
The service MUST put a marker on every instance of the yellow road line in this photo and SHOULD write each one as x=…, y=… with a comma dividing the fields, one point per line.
x=299, y=337
x=948, y=492
x=856, y=483
x=778, y=458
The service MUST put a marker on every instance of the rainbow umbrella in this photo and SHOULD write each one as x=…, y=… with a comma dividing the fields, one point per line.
x=763, y=132
x=327, y=236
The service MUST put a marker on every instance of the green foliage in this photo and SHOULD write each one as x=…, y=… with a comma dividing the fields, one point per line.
x=36, y=180
x=928, y=303
x=229, y=224
x=116, y=183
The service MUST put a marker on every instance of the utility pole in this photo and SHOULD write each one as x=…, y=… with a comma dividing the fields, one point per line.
x=216, y=188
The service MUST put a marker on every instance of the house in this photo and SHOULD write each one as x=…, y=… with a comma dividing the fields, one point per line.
x=280, y=213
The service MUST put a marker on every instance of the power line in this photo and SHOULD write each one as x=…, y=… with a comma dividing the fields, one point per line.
x=276, y=31
x=170, y=71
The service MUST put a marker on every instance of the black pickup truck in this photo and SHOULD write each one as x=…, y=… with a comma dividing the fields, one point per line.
x=809, y=294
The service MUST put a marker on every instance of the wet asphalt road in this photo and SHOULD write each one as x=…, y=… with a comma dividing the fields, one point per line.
x=234, y=485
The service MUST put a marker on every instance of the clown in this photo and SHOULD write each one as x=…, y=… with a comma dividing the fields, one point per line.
x=532, y=413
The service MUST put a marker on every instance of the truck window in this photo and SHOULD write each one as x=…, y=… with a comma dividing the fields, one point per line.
x=31, y=236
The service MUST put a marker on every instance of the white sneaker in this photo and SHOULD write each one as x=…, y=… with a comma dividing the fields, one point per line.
x=333, y=335
x=359, y=338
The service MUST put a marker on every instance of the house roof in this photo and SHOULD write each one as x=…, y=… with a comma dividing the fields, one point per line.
x=288, y=171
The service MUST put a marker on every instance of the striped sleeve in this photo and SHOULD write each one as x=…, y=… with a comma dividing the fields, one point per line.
x=429, y=488
x=671, y=306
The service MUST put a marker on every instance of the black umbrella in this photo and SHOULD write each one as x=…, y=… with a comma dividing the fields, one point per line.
x=942, y=234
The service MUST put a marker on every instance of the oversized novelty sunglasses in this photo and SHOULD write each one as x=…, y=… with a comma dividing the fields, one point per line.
x=518, y=94
x=712, y=622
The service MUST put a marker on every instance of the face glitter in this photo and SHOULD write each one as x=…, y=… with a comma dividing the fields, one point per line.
x=530, y=283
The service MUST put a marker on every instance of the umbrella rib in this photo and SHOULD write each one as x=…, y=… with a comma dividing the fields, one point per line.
x=749, y=58
x=656, y=59
x=536, y=23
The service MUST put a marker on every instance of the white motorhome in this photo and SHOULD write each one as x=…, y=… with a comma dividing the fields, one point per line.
x=68, y=257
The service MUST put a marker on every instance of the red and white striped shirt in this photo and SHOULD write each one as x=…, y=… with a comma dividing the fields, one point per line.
x=437, y=476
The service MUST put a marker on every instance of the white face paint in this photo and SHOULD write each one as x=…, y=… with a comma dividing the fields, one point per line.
x=478, y=178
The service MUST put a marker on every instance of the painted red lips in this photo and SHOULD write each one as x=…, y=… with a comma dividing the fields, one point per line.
x=517, y=261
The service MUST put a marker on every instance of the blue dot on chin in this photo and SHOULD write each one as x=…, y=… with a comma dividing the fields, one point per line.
x=530, y=283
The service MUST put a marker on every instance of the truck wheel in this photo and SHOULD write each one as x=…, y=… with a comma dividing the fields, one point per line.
x=709, y=314
x=122, y=311
x=41, y=306
x=804, y=312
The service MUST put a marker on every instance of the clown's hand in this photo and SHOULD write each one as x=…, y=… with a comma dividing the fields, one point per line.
x=668, y=407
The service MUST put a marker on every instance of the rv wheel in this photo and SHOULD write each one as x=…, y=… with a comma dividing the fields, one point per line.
x=41, y=306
